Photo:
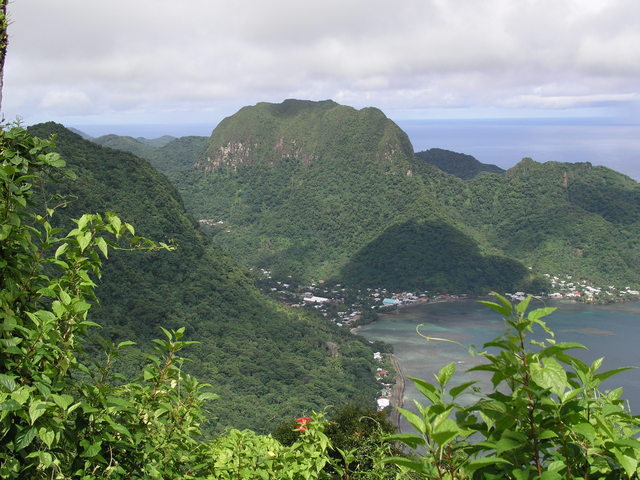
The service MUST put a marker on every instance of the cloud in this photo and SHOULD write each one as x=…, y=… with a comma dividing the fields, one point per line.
x=155, y=57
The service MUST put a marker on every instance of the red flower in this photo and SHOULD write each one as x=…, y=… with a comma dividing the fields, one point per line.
x=302, y=422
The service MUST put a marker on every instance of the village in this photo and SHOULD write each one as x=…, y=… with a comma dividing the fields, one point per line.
x=346, y=307
x=580, y=290
x=351, y=308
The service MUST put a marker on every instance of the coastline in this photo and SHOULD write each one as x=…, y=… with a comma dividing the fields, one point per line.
x=397, y=396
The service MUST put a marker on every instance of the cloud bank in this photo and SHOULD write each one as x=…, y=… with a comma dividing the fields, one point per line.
x=161, y=61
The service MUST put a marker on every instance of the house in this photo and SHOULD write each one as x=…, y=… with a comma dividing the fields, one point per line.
x=314, y=299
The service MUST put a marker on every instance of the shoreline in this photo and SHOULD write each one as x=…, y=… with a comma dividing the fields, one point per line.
x=397, y=396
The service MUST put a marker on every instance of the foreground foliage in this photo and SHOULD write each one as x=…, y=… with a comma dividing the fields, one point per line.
x=545, y=417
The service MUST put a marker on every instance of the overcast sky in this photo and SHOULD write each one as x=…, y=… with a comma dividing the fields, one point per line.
x=84, y=62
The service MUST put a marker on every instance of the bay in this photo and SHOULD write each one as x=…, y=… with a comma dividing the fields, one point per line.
x=609, y=331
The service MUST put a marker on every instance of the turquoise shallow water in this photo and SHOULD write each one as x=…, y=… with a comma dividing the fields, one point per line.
x=610, y=331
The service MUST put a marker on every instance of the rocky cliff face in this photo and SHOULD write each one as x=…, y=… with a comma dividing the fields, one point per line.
x=307, y=131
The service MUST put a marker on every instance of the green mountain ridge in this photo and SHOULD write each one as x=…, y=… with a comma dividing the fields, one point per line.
x=567, y=218
x=267, y=362
x=321, y=191
x=303, y=187
x=458, y=164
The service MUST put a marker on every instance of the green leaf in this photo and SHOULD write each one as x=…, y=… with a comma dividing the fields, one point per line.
x=427, y=389
x=410, y=439
x=485, y=461
x=83, y=240
x=510, y=440
x=546, y=434
x=65, y=298
x=415, y=465
x=445, y=373
x=90, y=450
x=455, y=391
x=550, y=475
x=522, y=306
x=413, y=419
x=7, y=382
x=62, y=401
x=538, y=313
x=585, y=430
x=10, y=405
x=629, y=464
x=501, y=309
x=102, y=245
x=445, y=432
x=609, y=373
x=25, y=437
x=550, y=375
x=36, y=409
x=61, y=249
x=47, y=436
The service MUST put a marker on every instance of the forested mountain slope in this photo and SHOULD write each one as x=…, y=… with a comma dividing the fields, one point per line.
x=322, y=191
x=560, y=218
x=458, y=164
x=267, y=363
x=311, y=189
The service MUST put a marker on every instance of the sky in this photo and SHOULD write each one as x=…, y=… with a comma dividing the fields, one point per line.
x=157, y=66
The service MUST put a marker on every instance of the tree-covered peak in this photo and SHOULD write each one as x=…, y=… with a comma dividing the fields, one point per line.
x=458, y=164
x=308, y=131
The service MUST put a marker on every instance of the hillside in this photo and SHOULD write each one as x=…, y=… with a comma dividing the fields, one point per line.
x=560, y=218
x=267, y=363
x=308, y=189
x=458, y=164
x=322, y=191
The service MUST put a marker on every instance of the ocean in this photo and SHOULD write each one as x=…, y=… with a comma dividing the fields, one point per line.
x=609, y=331
x=505, y=142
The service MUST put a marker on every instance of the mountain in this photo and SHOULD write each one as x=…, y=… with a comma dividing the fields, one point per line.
x=177, y=155
x=129, y=144
x=267, y=362
x=156, y=142
x=458, y=164
x=313, y=189
x=322, y=191
x=168, y=154
x=560, y=218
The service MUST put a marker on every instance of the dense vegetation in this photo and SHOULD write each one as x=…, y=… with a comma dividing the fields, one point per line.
x=266, y=362
x=458, y=164
x=320, y=191
x=545, y=418
x=317, y=191
x=559, y=218
x=168, y=154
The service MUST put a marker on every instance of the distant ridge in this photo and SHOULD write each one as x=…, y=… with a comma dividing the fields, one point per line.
x=322, y=191
x=458, y=164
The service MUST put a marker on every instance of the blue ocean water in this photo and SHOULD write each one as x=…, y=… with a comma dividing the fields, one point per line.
x=506, y=142
x=609, y=331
